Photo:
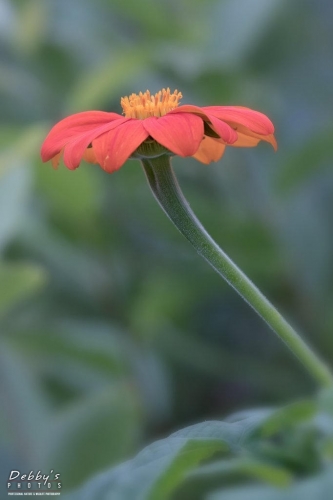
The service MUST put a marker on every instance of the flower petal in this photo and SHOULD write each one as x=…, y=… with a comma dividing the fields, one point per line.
x=223, y=129
x=181, y=133
x=189, y=108
x=245, y=141
x=209, y=150
x=246, y=138
x=56, y=160
x=271, y=139
x=89, y=156
x=71, y=126
x=113, y=148
x=236, y=115
x=227, y=134
x=76, y=147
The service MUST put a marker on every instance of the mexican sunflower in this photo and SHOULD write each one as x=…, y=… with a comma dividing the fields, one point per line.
x=153, y=128
x=154, y=123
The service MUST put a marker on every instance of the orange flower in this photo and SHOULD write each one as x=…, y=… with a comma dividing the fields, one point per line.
x=154, y=123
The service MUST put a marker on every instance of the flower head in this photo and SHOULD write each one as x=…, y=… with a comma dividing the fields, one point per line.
x=152, y=125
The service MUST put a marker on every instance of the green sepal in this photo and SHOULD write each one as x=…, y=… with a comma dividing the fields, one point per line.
x=150, y=149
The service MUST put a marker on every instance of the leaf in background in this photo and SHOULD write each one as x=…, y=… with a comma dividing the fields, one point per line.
x=31, y=26
x=236, y=27
x=23, y=403
x=18, y=281
x=72, y=267
x=19, y=147
x=91, y=433
x=7, y=18
x=305, y=235
x=307, y=161
x=288, y=416
x=248, y=467
x=190, y=350
x=89, y=353
x=72, y=195
x=160, y=301
x=155, y=20
x=107, y=81
x=325, y=401
x=15, y=188
x=157, y=470
x=318, y=487
x=191, y=454
x=23, y=91
x=286, y=436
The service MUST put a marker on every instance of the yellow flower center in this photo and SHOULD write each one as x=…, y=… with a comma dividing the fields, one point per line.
x=143, y=105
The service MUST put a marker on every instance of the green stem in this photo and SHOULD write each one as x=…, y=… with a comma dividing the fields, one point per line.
x=167, y=192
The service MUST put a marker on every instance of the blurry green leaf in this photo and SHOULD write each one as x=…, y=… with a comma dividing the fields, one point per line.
x=190, y=350
x=7, y=19
x=22, y=89
x=20, y=146
x=76, y=266
x=72, y=195
x=266, y=422
x=107, y=81
x=287, y=436
x=318, y=487
x=251, y=468
x=325, y=401
x=23, y=402
x=150, y=17
x=157, y=470
x=86, y=352
x=327, y=449
x=31, y=25
x=91, y=433
x=192, y=453
x=160, y=301
x=89, y=353
x=18, y=281
x=236, y=27
x=287, y=416
x=15, y=188
x=308, y=160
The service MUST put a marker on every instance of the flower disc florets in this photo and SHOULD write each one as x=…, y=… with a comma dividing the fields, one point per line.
x=145, y=104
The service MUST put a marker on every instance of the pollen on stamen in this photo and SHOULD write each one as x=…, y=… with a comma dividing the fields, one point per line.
x=144, y=104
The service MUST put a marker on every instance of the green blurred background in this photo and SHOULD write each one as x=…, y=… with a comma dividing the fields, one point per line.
x=113, y=331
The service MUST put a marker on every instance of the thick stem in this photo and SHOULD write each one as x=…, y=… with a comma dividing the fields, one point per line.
x=167, y=192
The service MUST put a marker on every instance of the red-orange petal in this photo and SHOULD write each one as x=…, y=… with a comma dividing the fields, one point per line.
x=247, y=138
x=181, y=133
x=271, y=139
x=76, y=147
x=227, y=133
x=71, y=126
x=189, y=108
x=257, y=122
x=245, y=141
x=89, y=156
x=210, y=149
x=113, y=148
x=55, y=160
x=223, y=129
